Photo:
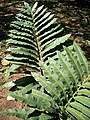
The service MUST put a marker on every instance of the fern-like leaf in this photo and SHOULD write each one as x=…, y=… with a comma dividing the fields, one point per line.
x=80, y=108
x=63, y=91
x=71, y=83
x=22, y=113
x=34, y=34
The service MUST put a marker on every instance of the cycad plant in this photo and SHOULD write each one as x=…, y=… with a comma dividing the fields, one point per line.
x=34, y=36
x=63, y=92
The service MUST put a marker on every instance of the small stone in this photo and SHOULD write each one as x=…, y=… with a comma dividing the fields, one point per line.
x=10, y=98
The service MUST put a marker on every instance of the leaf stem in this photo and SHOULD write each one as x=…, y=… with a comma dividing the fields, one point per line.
x=85, y=80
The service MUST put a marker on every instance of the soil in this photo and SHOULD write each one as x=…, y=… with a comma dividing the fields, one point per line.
x=5, y=104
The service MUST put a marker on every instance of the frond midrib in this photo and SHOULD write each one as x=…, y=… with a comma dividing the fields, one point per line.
x=76, y=92
x=36, y=38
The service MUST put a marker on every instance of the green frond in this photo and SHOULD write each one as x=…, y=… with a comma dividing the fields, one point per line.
x=86, y=85
x=22, y=113
x=63, y=90
x=68, y=69
x=46, y=102
x=45, y=83
x=74, y=63
x=12, y=68
x=70, y=82
x=80, y=108
x=82, y=59
x=52, y=76
x=78, y=115
x=27, y=114
x=28, y=88
x=35, y=33
x=56, y=42
x=45, y=117
x=25, y=98
x=61, y=77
